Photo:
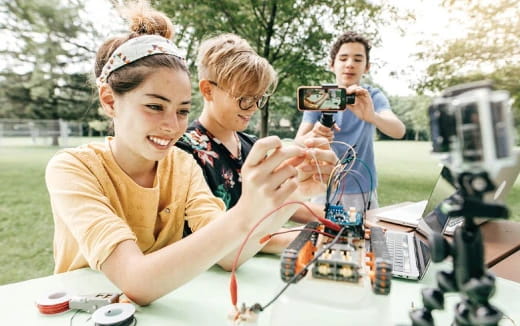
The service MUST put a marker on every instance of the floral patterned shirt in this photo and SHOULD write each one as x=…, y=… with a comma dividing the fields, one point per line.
x=220, y=167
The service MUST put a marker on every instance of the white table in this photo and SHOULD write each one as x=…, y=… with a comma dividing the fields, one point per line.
x=205, y=300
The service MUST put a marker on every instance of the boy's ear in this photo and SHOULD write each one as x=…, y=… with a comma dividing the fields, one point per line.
x=107, y=100
x=367, y=68
x=206, y=89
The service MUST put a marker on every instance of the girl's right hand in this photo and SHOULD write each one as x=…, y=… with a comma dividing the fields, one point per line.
x=269, y=175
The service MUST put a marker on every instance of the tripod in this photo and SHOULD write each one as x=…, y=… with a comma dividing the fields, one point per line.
x=469, y=276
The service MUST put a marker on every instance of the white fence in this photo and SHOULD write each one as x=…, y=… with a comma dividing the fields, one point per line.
x=38, y=132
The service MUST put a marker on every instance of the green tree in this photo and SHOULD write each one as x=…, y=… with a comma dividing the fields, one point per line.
x=47, y=46
x=489, y=50
x=413, y=111
x=294, y=35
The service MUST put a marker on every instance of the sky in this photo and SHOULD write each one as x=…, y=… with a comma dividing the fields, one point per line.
x=394, y=65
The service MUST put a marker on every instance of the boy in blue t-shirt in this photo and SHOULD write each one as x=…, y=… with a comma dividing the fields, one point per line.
x=349, y=60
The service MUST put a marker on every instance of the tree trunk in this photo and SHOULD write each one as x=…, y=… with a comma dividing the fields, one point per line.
x=55, y=132
x=264, y=123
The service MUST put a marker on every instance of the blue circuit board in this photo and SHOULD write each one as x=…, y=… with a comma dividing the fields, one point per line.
x=338, y=215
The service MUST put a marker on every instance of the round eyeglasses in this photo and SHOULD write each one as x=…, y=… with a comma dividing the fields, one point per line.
x=246, y=102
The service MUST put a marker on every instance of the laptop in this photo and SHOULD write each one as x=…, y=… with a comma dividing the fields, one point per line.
x=411, y=214
x=426, y=216
x=410, y=255
x=437, y=221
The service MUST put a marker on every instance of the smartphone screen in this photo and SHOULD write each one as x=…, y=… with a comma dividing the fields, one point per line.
x=318, y=98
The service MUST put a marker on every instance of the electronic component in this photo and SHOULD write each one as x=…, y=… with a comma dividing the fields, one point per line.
x=341, y=262
x=91, y=303
x=345, y=260
x=380, y=263
x=352, y=220
x=299, y=252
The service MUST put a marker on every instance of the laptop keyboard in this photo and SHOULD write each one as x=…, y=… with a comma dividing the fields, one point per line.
x=455, y=220
x=397, y=244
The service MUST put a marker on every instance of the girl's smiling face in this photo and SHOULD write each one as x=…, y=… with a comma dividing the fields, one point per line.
x=149, y=119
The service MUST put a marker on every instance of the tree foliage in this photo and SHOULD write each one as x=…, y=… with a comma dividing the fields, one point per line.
x=47, y=46
x=489, y=50
x=413, y=111
x=294, y=35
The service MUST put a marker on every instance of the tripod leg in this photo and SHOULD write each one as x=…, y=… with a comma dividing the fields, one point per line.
x=462, y=311
x=471, y=314
x=421, y=317
x=479, y=291
x=432, y=299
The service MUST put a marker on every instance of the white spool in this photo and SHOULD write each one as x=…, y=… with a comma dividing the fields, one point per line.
x=113, y=313
x=53, y=299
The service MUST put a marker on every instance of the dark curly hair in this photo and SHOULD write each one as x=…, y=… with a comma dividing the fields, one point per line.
x=349, y=37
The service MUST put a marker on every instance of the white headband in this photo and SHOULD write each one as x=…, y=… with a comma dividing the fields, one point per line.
x=135, y=49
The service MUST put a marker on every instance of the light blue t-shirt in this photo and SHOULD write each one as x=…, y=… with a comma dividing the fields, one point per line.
x=360, y=133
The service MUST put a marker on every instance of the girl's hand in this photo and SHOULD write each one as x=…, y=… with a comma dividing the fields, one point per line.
x=269, y=175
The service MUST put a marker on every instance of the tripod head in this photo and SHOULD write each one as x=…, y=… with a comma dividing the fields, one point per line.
x=472, y=132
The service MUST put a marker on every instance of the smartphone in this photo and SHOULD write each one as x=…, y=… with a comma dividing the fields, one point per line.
x=323, y=98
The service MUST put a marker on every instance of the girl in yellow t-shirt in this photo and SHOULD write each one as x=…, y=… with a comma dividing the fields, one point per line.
x=120, y=206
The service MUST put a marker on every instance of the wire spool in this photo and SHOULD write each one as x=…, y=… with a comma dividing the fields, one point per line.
x=53, y=303
x=116, y=314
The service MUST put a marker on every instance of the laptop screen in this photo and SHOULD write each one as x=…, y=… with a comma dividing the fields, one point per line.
x=442, y=190
x=435, y=220
x=422, y=252
x=432, y=215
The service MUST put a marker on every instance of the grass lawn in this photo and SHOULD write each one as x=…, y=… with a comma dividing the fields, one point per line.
x=406, y=170
x=26, y=225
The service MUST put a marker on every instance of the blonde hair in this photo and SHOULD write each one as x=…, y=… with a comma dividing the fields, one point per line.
x=143, y=20
x=229, y=60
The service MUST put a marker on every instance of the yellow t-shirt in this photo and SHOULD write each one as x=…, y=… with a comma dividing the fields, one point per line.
x=96, y=205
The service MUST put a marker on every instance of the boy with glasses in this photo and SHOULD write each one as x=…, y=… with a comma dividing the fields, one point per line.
x=235, y=82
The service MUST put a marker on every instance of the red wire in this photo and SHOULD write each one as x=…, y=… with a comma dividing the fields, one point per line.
x=233, y=285
x=269, y=236
x=324, y=221
x=53, y=309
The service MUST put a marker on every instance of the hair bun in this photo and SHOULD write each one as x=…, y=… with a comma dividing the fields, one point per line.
x=143, y=19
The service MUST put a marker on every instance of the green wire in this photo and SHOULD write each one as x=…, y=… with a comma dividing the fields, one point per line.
x=369, y=173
